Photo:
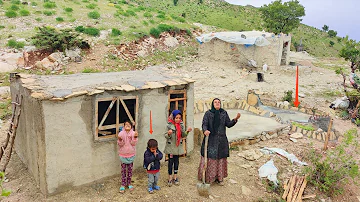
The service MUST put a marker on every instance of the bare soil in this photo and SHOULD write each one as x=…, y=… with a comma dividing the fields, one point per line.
x=227, y=81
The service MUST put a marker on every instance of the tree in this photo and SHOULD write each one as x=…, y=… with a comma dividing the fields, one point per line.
x=332, y=33
x=325, y=28
x=351, y=52
x=175, y=2
x=331, y=43
x=282, y=17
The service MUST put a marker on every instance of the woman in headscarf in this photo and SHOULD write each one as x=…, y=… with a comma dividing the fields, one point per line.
x=214, y=125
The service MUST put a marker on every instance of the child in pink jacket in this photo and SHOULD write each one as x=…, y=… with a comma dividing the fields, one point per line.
x=127, y=140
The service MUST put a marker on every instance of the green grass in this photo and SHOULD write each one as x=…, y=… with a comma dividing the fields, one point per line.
x=328, y=93
x=90, y=70
x=68, y=10
x=5, y=108
x=10, y=14
x=94, y=15
x=24, y=12
x=305, y=127
x=59, y=19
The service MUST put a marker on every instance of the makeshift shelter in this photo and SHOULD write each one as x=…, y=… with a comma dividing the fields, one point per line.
x=67, y=130
x=254, y=47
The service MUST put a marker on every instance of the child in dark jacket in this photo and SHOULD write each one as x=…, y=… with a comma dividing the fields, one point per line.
x=152, y=157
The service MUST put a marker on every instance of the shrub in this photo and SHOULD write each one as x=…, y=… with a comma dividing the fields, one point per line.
x=60, y=19
x=52, y=39
x=38, y=12
x=155, y=32
x=188, y=32
x=94, y=15
x=152, y=21
x=148, y=15
x=48, y=13
x=33, y=4
x=2, y=26
x=1, y=2
x=145, y=23
x=69, y=10
x=161, y=16
x=49, y=4
x=18, y=2
x=24, y=12
x=331, y=43
x=10, y=14
x=288, y=96
x=115, y=32
x=91, y=6
x=131, y=12
x=331, y=172
x=80, y=28
x=92, y=31
x=14, y=44
x=38, y=19
x=165, y=28
x=85, y=1
x=14, y=7
x=90, y=70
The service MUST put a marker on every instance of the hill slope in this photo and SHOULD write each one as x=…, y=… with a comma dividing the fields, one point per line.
x=135, y=18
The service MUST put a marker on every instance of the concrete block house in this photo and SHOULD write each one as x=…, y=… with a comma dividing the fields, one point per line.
x=69, y=123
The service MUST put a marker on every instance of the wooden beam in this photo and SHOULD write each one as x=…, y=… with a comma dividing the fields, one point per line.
x=328, y=135
x=287, y=187
x=107, y=112
x=117, y=116
x=297, y=188
x=96, y=134
x=292, y=184
x=177, y=99
x=126, y=110
x=299, y=197
x=177, y=91
x=136, y=113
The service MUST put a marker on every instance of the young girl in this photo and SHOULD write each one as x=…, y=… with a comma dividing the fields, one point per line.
x=127, y=140
x=174, y=148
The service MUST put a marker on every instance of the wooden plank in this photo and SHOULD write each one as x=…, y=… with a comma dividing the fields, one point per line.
x=127, y=88
x=176, y=105
x=287, y=187
x=104, y=99
x=176, y=99
x=117, y=116
x=188, y=80
x=177, y=91
x=181, y=82
x=169, y=103
x=107, y=112
x=126, y=110
x=292, y=184
x=107, y=127
x=170, y=83
x=155, y=84
x=184, y=112
x=308, y=196
x=301, y=191
x=136, y=113
x=96, y=120
x=297, y=188
x=328, y=135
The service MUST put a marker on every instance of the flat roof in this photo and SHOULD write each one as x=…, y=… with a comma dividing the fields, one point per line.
x=60, y=87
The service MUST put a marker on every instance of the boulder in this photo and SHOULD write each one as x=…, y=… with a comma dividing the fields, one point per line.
x=171, y=42
x=297, y=135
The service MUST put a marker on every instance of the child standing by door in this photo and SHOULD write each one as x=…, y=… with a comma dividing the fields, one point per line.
x=127, y=140
x=152, y=157
x=174, y=148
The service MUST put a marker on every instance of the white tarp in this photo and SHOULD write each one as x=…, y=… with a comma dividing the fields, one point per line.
x=270, y=171
x=282, y=152
x=235, y=38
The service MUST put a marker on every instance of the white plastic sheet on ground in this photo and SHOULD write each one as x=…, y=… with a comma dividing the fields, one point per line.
x=282, y=152
x=235, y=37
x=270, y=171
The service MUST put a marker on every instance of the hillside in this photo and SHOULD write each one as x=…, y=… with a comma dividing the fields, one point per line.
x=135, y=18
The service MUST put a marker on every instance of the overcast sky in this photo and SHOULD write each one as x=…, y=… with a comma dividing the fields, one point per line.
x=341, y=16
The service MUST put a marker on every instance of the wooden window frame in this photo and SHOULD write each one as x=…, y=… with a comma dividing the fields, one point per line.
x=116, y=101
x=176, y=100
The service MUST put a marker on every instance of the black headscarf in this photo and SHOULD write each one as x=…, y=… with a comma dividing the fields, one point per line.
x=216, y=122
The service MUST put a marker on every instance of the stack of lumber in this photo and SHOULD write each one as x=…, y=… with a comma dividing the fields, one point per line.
x=294, y=189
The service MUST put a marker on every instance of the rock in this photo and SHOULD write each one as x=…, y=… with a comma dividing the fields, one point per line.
x=56, y=57
x=268, y=136
x=4, y=90
x=286, y=103
x=297, y=135
x=251, y=155
x=358, y=197
x=78, y=58
x=211, y=197
x=5, y=67
x=29, y=48
x=11, y=58
x=252, y=99
x=141, y=53
x=38, y=65
x=263, y=138
x=232, y=181
x=47, y=64
x=246, y=191
x=319, y=130
x=302, y=95
x=293, y=139
x=104, y=34
x=72, y=53
x=171, y=42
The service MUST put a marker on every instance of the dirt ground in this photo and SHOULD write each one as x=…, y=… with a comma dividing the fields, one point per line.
x=213, y=79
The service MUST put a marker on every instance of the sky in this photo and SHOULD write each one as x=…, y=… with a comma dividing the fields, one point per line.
x=341, y=16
